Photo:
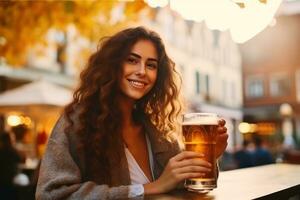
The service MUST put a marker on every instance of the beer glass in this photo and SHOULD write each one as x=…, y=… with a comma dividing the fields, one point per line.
x=200, y=131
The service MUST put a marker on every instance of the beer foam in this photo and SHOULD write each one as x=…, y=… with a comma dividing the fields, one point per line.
x=201, y=120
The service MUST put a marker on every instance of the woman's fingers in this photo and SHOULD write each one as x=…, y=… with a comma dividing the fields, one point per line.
x=221, y=126
x=189, y=175
x=188, y=162
x=222, y=129
x=184, y=165
x=192, y=169
x=222, y=138
x=186, y=155
x=221, y=144
x=221, y=122
x=193, y=162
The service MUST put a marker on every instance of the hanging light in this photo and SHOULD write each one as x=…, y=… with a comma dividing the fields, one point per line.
x=157, y=3
x=243, y=18
x=252, y=19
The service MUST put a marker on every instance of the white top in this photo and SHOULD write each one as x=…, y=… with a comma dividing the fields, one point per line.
x=137, y=176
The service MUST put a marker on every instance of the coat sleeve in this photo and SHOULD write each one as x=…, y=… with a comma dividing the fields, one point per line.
x=60, y=177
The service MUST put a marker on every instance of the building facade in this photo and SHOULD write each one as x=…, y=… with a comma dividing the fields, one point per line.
x=271, y=80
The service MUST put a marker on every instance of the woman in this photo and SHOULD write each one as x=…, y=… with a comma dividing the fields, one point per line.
x=116, y=139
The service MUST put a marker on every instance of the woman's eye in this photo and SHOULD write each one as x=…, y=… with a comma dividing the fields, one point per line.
x=152, y=66
x=132, y=60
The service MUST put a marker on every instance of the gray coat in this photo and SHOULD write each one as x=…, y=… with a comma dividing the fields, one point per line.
x=63, y=168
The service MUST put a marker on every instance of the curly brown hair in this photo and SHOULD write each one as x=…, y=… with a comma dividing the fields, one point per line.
x=97, y=106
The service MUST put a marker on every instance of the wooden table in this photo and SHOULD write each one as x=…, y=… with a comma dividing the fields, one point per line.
x=275, y=181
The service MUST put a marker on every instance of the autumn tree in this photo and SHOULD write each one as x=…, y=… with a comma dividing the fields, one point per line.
x=25, y=23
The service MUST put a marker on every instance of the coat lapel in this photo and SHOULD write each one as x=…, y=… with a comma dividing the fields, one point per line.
x=162, y=149
x=120, y=172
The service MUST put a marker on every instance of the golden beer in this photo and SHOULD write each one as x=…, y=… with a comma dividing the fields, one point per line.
x=200, y=131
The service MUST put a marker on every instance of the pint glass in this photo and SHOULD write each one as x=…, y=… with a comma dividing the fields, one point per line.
x=200, y=131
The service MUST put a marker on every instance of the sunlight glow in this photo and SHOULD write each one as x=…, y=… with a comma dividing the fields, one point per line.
x=245, y=127
x=243, y=18
x=157, y=3
x=14, y=120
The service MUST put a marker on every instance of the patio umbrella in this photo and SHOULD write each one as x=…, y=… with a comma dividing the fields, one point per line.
x=40, y=100
x=36, y=93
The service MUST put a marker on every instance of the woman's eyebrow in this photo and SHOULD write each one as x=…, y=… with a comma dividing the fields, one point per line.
x=138, y=56
x=135, y=55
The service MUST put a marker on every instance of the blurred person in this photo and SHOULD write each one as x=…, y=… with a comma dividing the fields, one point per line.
x=117, y=139
x=227, y=162
x=245, y=156
x=21, y=133
x=2, y=122
x=10, y=158
x=291, y=155
x=24, y=140
x=262, y=156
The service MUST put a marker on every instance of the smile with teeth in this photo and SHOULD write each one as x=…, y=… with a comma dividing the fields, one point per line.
x=137, y=84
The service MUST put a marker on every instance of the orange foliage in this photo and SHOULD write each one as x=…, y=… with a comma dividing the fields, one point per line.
x=25, y=23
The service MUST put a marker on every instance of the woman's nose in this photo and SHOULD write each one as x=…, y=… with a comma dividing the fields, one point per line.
x=141, y=69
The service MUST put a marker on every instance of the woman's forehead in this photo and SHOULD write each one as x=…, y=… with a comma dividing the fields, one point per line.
x=145, y=48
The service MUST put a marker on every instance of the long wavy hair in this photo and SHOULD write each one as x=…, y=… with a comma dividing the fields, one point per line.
x=96, y=103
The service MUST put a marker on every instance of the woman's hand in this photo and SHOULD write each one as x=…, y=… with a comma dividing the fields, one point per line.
x=221, y=138
x=184, y=165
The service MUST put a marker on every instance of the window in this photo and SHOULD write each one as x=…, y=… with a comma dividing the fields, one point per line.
x=198, y=83
x=207, y=84
x=280, y=85
x=254, y=87
x=202, y=84
x=216, y=38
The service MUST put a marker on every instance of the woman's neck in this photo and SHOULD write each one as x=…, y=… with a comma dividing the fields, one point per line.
x=126, y=106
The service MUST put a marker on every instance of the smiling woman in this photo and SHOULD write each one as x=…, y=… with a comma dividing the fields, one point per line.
x=117, y=137
x=139, y=70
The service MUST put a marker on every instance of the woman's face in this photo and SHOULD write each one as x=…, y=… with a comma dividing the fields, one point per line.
x=139, y=70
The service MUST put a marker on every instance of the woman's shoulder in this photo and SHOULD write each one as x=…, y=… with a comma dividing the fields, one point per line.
x=65, y=126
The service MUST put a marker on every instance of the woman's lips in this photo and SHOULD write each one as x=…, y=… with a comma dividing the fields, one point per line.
x=137, y=84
